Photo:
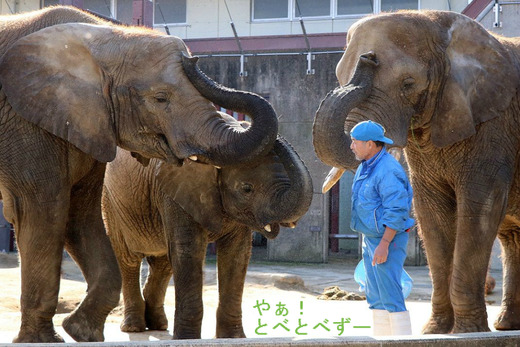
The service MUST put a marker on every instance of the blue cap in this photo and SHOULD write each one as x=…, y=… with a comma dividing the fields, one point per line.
x=370, y=131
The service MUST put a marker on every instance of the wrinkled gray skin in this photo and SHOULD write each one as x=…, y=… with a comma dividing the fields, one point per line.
x=448, y=92
x=169, y=214
x=71, y=93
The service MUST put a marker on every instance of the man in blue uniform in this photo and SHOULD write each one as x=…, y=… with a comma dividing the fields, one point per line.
x=381, y=204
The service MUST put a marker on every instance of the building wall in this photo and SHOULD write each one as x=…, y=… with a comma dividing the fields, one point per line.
x=508, y=19
x=210, y=18
x=295, y=96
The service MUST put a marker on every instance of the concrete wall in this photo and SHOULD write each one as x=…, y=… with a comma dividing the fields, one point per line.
x=295, y=96
x=508, y=19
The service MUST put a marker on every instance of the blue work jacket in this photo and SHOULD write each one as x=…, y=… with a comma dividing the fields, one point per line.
x=381, y=196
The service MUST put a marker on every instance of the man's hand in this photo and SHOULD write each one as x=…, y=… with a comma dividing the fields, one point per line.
x=380, y=253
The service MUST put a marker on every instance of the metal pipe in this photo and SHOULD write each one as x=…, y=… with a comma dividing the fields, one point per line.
x=485, y=11
x=497, y=9
x=264, y=54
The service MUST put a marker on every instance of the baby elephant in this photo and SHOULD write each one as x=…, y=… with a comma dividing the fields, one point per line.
x=169, y=214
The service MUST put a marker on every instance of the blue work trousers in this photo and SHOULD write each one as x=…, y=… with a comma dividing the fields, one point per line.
x=383, y=287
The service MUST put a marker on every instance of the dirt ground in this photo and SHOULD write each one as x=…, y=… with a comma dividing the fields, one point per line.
x=278, y=301
x=73, y=289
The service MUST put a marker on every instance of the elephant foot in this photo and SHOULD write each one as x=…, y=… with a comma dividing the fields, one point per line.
x=82, y=328
x=183, y=332
x=133, y=324
x=438, y=324
x=470, y=325
x=507, y=320
x=186, y=336
x=43, y=336
x=490, y=284
x=156, y=319
x=233, y=332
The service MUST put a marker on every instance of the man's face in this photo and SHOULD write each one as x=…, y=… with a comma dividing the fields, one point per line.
x=362, y=149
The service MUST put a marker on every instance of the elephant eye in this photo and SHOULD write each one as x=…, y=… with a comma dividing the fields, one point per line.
x=161, y=97
x=408, y=83
x=247, y=188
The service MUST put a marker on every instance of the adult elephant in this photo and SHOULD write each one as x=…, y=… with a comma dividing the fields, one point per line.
x=169, y=214
x=447, y=91
x=70, y=93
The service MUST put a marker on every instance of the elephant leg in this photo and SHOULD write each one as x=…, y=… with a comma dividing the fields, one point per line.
x=477, y=228
x=509, y=236
x=130, y=267
x=187, y=243
x=435, y=211
x=134, y=311
x=117, y=225
x=40, y=235
x=233, y=253
x=89, y=246
x=160, y=273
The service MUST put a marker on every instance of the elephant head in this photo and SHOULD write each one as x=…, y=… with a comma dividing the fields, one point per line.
x=272, y=190
x=99, y=87
x=432, y=74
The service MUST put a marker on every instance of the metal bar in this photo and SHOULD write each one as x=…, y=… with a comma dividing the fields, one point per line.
x=102, y=16
x=242, y=73
x=264, y=54
x=236, y=36
x=10, y=9
x=497, y=9
x=485, y=12
x=305, y=35
x=163, y=19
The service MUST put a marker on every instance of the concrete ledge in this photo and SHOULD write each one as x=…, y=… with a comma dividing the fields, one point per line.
x=491, y=339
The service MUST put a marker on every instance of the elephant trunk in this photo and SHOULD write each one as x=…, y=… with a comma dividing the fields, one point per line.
x=330, y=135
x=292, y=203
x=233, y=145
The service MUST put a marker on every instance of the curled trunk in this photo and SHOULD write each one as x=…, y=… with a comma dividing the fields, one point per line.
x=294, y=202
x=231, y=145
x=331, y=138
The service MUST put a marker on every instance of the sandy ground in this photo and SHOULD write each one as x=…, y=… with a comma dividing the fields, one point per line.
x=269, y=309
x=73, y=289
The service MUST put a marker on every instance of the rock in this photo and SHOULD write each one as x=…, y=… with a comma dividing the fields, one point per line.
x=288, y=282
x=335, y=293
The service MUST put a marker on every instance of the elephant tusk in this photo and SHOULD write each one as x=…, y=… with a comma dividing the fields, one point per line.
x=291, y=225
x=267, y=228
x=193, y=157
x=331, y=179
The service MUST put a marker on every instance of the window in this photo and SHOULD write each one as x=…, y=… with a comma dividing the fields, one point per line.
x=125, y=11
x=312, y=8
x=99, y=6
x=46, y=3
x=270, y=9
x=293, y=9
x=355, y=7
x=169, y=12
x=394, y=5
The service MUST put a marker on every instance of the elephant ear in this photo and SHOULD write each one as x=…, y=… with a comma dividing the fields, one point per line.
x=194, y=187
x=52, y=79
x=478, y=85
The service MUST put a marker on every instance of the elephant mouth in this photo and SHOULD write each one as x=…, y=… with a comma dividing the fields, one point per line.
x=166, y=151
x=270, y=231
